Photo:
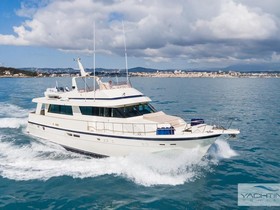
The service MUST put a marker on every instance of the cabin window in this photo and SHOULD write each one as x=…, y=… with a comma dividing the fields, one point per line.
x=146, y=108
x=135, y=110
x=60, y=109
x=96, y=111
x=93, y=111
x=86, y=110
x=107, y=112
x=117, y=112
x=100, y=111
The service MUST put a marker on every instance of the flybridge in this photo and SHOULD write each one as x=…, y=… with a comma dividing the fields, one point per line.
x=87, y=90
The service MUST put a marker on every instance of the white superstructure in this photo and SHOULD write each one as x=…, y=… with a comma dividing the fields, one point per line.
x=114, y=120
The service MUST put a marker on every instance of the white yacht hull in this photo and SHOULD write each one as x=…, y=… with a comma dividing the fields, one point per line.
x=102, y=144
x=114, y=119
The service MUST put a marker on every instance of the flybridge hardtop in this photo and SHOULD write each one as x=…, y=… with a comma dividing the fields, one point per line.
x=114, y=94
x=114, y=119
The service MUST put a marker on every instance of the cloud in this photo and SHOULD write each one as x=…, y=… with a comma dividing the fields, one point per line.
x=30, y=7
x=236, y=21
x=275, y=57
x=225, y=31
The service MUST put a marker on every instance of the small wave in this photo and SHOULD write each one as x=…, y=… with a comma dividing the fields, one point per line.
x=44, y=161
x=12, y=122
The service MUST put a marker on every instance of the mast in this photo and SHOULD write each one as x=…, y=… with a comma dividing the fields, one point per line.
x=125, y=54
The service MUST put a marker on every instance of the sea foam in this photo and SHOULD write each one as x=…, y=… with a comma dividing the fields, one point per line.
x=12, y=122
x=12, y=116
x=11, y=110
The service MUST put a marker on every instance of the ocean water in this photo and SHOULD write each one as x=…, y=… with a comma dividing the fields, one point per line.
x=35, y=174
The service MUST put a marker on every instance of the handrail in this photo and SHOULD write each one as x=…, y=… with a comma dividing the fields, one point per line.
x=134, y=128
x=218, y=120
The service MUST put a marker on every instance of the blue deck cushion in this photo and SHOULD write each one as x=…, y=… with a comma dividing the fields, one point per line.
x=165, y=131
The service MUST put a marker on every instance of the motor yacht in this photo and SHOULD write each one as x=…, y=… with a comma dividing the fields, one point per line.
x=114, y=119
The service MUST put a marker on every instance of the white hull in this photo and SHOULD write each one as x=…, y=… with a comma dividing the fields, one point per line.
x=101, y=144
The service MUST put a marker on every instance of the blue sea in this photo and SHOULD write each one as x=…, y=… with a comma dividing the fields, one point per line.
x=35, y=174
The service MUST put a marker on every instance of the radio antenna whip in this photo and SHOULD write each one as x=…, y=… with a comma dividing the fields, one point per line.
x=125, y=54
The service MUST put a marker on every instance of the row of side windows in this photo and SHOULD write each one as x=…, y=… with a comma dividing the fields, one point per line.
x=122, y=112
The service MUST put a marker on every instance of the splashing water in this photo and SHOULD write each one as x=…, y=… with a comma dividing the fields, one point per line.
x=222, y=150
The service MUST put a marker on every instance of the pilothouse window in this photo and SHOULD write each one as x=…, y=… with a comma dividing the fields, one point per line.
x=93, y=111
x=60, y=109
x=136, y=110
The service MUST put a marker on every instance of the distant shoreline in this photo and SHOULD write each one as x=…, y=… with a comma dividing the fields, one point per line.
x=163, y=75
x=207, y=75
x=17, y=73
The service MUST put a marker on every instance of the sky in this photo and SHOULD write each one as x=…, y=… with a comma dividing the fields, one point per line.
x=161, y=34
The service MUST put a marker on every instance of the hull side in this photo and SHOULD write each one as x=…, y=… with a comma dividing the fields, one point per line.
x=102, y=145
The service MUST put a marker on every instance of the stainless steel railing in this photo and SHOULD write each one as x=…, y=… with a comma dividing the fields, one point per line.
x=141, y=129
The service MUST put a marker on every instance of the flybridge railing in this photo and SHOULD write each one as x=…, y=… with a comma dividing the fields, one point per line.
x=105, y=86
x=120, y=85
x=140, y=129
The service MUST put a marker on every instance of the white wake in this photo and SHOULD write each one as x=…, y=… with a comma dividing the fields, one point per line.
x=12, y=122
x=12, y=110
x=12, y=116
x=44, y=161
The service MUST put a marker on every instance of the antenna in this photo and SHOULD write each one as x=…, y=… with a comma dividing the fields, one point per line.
x=94, y=87
x=125, y=54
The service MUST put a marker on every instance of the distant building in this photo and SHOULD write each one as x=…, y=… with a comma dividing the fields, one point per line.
x=177, y=72
x=7, y=72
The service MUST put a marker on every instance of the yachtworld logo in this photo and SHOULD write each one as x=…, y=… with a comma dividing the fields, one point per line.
x=259, y=194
